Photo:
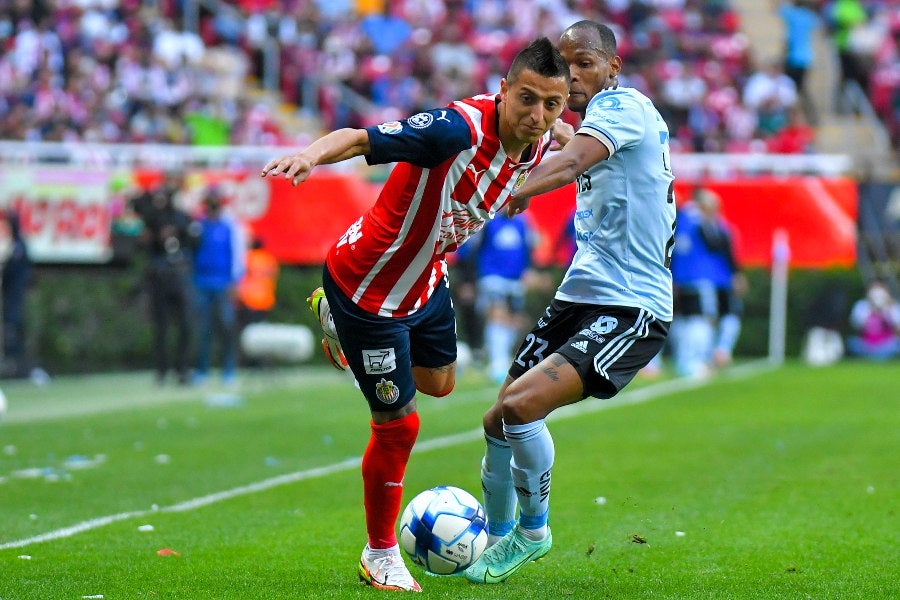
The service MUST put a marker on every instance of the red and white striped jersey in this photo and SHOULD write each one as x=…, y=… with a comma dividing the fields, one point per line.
x=451, y=176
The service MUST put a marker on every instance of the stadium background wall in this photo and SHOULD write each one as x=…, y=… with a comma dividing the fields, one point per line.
x=79, y=214
x=85, y=310
x=90, y=319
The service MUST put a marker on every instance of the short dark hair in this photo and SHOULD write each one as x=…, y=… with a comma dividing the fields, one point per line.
x=542, y=57
x=604, y=34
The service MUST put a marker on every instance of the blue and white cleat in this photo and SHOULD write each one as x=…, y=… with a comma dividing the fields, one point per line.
x=507, y=556
x=318, y=303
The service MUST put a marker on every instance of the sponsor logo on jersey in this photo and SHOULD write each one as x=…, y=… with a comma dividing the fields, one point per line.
x=604, y=325
x=593, y=335
x=391, y=127
x=420, y=121
x=610, y=103
x=475, y=172
x=580, y=345
x=584, y=214
x=353, y=233
x=378, y=362
x=387, y=392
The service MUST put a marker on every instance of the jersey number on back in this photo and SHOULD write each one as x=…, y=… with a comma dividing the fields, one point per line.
x=583, y=182
x=670, y=243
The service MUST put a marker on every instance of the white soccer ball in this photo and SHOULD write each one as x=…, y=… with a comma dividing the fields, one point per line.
x=443, y=530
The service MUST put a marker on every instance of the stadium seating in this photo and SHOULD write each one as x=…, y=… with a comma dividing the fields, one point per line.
x=128, y=71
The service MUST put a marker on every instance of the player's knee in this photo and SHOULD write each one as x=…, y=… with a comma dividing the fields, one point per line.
x=437, y=389
x=493, y=421
x=435, y=382
x=516, y=405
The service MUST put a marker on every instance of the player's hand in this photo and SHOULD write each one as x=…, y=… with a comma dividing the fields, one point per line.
x=517, y=204
x=562, y=134
x=296, y=168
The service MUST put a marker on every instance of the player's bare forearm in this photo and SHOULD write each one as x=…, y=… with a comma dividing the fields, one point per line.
x=335, y=147
x=555, y=172
x=578, y=155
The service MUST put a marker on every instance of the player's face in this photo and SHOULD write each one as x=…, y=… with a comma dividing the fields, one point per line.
x=592, y=70
x=532, y=103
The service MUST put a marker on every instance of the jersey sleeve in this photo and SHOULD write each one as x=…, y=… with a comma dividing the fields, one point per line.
x=615, y=118
x=425, y=139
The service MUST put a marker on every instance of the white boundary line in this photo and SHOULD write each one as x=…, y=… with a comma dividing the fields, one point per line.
x=588, y=406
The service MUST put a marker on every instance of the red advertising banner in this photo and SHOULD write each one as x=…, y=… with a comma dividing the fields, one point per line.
x=303, y=222
x=818, y=214
x=299, y=224
x=64, y=211
x=67, y=212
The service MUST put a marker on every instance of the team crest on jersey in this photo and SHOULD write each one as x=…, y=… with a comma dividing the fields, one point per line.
x=420, y=121
x=520, y=180
x=378, y=362
x=386, y=391
x=391, y=127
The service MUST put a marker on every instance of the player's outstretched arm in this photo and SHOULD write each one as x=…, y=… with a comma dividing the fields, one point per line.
x=336, y=146
x=558, y=170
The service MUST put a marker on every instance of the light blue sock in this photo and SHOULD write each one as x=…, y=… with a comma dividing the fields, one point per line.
x=499, y=340
x=497, y=488
x=533, y=453
x=729, y=330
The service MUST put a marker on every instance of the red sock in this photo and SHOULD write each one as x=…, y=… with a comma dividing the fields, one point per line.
x=383, y=466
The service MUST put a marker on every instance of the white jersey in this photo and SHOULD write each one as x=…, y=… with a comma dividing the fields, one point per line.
x=625, y=209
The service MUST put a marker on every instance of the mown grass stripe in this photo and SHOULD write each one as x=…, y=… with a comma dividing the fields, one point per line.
x=631, y=397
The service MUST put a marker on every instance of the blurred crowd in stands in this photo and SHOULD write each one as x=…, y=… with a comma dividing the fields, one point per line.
x=127, y=71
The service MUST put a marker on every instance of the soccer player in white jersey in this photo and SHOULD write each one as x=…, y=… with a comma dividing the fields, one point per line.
x=385, y=305
x=612, y=311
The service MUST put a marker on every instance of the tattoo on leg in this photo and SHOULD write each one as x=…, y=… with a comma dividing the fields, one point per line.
x=551, y=373
x=557, y=361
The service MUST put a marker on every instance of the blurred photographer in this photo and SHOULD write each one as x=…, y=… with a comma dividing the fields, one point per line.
x=169, y=238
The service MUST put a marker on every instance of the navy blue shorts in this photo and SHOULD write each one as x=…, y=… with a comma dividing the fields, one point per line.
x=381, y=351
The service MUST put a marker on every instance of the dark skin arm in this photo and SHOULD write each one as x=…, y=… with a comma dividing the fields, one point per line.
x=575, y=158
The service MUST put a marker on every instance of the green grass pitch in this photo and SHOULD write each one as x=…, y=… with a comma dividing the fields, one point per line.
x=770, y=483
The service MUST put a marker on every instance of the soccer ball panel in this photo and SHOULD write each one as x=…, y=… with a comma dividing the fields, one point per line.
x=443, y=530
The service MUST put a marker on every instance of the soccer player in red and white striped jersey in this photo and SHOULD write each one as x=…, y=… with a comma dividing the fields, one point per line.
x=385, y=280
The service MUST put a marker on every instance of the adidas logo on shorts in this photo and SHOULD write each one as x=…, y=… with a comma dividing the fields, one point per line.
x=580, y=345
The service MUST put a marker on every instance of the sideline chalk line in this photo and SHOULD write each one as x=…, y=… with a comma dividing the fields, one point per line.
x=587, y=406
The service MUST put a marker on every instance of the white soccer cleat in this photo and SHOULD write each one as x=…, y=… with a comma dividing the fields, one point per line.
x=318, y=303
x=385, y=570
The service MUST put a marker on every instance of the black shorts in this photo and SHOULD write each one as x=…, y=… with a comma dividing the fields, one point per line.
x=607, y=345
